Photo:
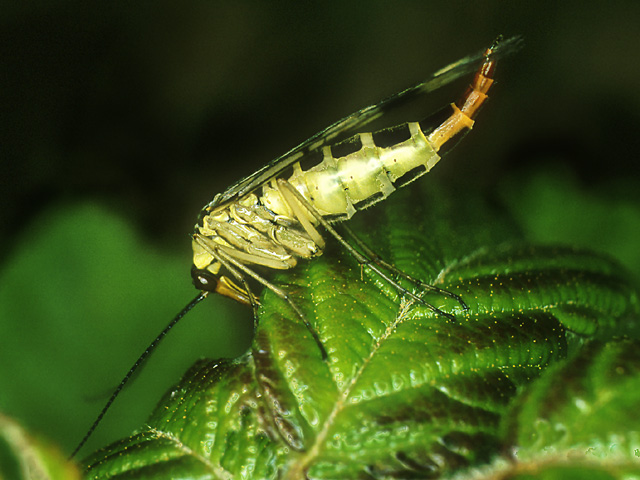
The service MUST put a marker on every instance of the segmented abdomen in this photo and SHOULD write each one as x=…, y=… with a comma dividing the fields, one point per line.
x=371, y=170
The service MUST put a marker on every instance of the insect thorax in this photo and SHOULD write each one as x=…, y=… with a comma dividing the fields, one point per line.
x=250, y=233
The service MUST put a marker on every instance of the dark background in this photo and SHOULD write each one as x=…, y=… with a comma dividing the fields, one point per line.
x=145, y=110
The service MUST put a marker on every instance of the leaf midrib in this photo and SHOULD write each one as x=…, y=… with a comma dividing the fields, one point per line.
x=312, y=453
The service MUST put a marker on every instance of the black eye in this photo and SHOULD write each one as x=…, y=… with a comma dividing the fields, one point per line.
x=204, y=280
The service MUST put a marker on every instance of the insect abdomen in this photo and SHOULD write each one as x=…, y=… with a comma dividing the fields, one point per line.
x=339, y=186
x=365, y=169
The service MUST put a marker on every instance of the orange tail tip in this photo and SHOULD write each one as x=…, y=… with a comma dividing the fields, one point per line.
x=468, y=106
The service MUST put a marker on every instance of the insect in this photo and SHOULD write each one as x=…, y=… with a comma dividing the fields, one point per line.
x=273, y=218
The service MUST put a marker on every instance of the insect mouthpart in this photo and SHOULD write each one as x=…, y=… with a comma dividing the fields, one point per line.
x=208, y=282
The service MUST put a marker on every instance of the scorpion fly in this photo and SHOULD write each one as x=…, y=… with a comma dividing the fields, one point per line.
x=274, y=217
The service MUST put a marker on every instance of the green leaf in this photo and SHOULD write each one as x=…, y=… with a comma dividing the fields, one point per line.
x=553, y=205
x=24, y=457
x=587, y=405
x=578, y=420
x=405, y=393
x=82, y=293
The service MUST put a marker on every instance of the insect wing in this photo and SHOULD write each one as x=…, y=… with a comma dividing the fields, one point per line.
x=353, y=123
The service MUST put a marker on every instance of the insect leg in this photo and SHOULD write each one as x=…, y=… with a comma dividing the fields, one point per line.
x=289, y=197
x=378, y=260
x=237, y=268
x=360, y=258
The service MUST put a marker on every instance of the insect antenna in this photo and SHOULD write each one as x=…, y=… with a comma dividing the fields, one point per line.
x=138, y=363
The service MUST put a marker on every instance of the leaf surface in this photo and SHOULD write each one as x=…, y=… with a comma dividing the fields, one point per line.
x=405, y=392
x=23, y=456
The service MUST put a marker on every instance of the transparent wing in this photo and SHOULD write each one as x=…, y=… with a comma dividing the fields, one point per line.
x=353, y=123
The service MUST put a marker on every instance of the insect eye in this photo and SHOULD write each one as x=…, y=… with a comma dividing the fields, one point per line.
x=204, y=280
